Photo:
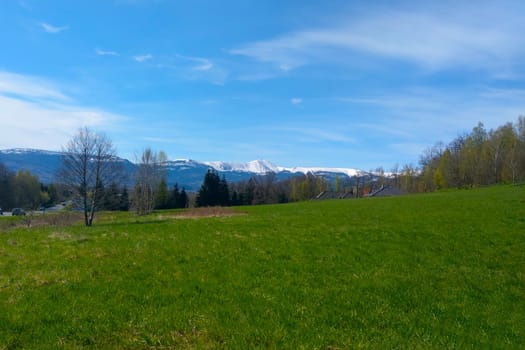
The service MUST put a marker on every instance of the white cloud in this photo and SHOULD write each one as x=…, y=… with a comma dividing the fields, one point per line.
x=36, y=114
x=52, y=29
x=203, y=64
x=29, y=87
x=474, y=39
x=199, y=63
x=424, y=116
x=296, y=101
x=194, y=68
x=142, y=58
x=106, y=52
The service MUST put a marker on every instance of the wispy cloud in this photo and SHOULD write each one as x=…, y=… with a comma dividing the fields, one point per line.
x=423, y=116
x=202, y=64
x=429, y=40
x=48, y=28
x=143, y=58
x=194, y=68
x=101, y=52
x=296, y=101
x=45, y=116
x=29, y=87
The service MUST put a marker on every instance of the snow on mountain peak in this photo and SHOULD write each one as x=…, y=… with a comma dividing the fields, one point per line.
x=347, y=171
x=254, y=166
x=261, y=166
x=28, y=151
x=264, y=166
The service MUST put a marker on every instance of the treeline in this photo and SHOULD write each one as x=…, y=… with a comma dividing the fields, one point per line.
x=23, y=190
x=170, y=199
x=477, y=158
x=151, y=190
x=264, y=189
x=480, y=157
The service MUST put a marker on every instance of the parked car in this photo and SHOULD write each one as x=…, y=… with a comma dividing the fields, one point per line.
x=18, y=212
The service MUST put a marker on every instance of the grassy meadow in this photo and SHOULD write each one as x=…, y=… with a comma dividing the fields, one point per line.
x=442, y=270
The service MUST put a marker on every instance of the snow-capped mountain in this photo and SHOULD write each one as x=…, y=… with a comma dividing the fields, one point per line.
x=346, y=171
x=264, y=166
x=186, y=173
x=254, y=166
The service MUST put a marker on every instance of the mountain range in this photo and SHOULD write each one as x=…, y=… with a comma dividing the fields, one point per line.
x=186, y=172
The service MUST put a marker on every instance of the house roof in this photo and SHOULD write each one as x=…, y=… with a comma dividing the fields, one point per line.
x=387, y=192
x=333, y=195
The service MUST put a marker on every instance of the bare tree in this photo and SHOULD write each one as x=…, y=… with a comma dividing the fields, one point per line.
x=89, y=164
x=149, y=175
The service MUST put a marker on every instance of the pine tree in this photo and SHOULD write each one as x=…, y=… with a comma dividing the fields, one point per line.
x=162, y=196
x=174, y=197
x=213, y=191
x=124, y=200
x=182, y=201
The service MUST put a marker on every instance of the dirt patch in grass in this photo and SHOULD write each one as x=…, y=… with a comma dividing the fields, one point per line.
x=207, y=212
x=65, y=218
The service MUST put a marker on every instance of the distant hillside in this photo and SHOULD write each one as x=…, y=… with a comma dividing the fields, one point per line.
x=187, y=173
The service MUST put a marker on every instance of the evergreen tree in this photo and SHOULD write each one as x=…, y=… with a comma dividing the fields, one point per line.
x=223, y=196
x=213, y=191
x=112, y=197
x=162, y=195
x=182, y=200
x=174, y=197
x=124, y=200
x=235, y=199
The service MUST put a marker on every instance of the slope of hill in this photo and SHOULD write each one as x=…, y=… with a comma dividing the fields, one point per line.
x=431, y=271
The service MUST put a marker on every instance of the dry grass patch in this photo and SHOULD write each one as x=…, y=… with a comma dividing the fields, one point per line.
x=67, y=237
x=60, y=219
x=207, y=212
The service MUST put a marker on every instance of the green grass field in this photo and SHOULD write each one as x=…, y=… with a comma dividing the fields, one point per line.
x=443, y=270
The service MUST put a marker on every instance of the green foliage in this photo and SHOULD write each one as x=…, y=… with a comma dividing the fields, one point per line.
x=214, y=191
x=442, y=270
x=21, y=189
x=476, y=159
x=177, y=199
x=162, y=195
x=115, y=198
x=307, y=187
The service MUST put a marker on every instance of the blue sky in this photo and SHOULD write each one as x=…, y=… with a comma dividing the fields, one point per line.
x=299, y=83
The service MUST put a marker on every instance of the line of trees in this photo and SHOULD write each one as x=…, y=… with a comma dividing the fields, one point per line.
x=263, y=189
x=477, y=158
x=171, y=199
x=22, y=189
x=151, y=190
x=92, y=174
